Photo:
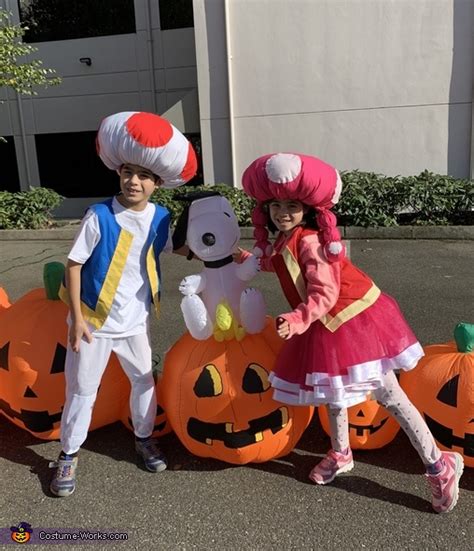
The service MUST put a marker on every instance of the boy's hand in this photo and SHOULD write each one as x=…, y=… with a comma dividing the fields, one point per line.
x=78, y=331
x=282, y=327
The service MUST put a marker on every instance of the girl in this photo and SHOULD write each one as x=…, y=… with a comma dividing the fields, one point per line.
x=344, y=337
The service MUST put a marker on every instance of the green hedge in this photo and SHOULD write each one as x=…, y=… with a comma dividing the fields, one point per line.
x=28, y=209
x=367, y=199
x=370, y=199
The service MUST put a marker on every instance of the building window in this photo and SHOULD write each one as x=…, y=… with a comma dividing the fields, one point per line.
x=195, y=140
x=176, y=14
x=69, y=164
x=50, y=20
x=9, y=179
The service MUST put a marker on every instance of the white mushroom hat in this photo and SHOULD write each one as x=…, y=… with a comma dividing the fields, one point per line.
x=147, y=140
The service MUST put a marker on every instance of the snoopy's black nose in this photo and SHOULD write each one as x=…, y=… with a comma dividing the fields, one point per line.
x=209, y=239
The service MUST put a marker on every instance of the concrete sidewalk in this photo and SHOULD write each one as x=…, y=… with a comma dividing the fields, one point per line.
x=67, y=229
x=203, y=504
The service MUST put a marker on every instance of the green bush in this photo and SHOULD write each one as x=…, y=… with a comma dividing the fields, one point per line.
x=367, y=199
x=370, y=199
x=28, y=209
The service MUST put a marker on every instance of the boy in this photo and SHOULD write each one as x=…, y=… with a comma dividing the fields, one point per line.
x=113, y=277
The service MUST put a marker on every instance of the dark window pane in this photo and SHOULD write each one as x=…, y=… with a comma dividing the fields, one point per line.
x=9, y=179
x=69, y=164
x=176, y=14
x=64, y=19
x=195, y=140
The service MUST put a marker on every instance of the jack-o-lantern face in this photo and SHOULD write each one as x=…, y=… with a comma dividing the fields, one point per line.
x=442, y=388
x=370, y=425
x=33, y=340
x=21, y=533
x=255, y=381
x=20, y=537
x=219, y=402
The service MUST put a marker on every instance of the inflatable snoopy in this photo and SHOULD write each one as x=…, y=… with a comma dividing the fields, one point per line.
x=226, y=308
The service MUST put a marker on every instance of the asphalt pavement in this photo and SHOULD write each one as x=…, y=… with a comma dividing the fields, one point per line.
x=206, y=504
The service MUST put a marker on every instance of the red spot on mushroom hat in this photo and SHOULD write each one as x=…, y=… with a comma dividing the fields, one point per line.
x=147, y=140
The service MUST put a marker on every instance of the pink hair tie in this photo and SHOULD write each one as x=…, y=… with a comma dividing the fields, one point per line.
x=262, y=246
x=330, y=235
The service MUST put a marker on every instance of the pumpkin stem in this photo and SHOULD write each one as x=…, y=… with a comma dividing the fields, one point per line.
x=464, y=337
x=53, y=273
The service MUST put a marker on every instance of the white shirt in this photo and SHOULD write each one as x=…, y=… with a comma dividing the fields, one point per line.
x=129, y=314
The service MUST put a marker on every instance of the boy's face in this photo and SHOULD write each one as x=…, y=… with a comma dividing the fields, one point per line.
x=137, y=184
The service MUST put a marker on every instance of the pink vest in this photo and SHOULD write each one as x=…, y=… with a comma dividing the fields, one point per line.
x=357, y=291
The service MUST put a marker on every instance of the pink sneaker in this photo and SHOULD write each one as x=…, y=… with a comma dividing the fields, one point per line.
x=445, y=485
x=333, y=464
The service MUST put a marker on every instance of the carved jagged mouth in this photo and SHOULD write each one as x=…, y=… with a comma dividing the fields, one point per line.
x=36, y=421
x=446, y=437
x=206, y=433
x=371, y=428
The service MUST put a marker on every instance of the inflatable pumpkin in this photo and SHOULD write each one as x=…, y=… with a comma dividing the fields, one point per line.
x=370, y=425
x=219, y=401
x=33, y=340
x=4, y=300
x=442, y=388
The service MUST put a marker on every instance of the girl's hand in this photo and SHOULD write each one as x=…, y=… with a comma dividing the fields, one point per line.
x=78, y=331
x=283, y=328
x=240, y=255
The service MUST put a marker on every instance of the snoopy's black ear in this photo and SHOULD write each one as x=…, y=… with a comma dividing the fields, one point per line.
x=181, y=229
x=195, y=195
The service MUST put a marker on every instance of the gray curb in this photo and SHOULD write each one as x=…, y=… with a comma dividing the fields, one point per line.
x=68, y=232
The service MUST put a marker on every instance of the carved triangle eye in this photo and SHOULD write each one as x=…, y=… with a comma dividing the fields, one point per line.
x=255, y=379
x=449, y=392
x=209, y=382
x=4, y=356
x=59, y=358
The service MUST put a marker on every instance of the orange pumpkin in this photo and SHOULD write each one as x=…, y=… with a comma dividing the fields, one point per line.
x=370, y=425
x=33, y=340
x=442, y=388
x=219, y=401
x=4, y=300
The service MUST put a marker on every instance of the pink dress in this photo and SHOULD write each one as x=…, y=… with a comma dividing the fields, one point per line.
x=333, y=362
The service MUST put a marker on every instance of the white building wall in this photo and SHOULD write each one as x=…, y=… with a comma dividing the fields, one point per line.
x=377, y=85
x=150, y=70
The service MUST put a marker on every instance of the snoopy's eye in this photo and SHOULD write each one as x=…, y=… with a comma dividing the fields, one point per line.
x=227, y=214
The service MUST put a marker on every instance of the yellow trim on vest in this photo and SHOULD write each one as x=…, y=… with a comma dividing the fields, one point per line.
x=333, y=323
x=153, y=278
x=98, y=316
x=295, y=272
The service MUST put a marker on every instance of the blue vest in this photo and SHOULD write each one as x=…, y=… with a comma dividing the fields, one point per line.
x=101, y=273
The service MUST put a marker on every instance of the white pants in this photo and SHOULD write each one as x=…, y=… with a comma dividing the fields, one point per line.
x=84, y=370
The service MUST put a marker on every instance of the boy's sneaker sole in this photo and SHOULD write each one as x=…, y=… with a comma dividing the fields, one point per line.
x=61, y=493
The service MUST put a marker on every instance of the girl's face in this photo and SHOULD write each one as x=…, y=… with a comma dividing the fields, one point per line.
x=286, y=215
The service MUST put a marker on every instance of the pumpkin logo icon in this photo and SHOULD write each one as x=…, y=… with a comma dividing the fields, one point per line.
x=21, y=533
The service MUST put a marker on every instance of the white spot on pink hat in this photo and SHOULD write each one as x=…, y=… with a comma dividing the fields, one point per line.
x=283, y=168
